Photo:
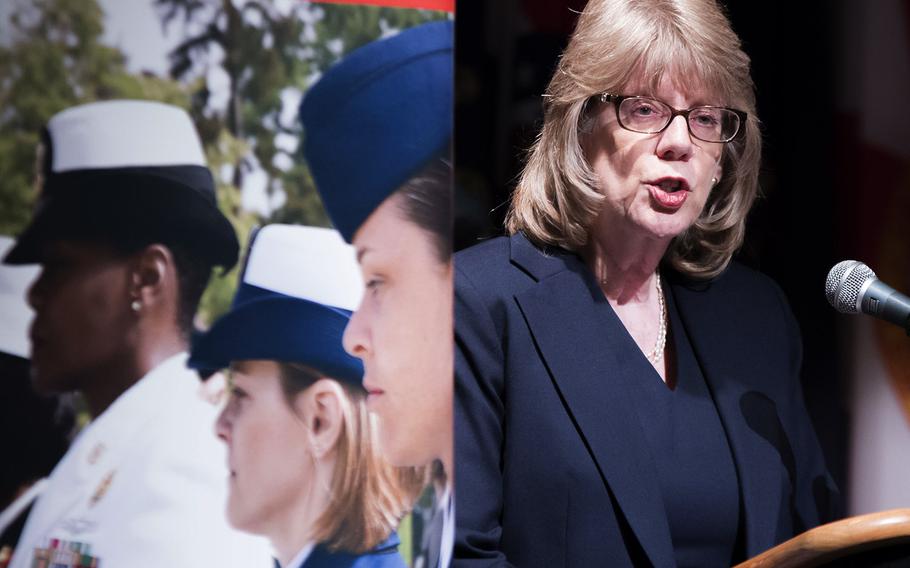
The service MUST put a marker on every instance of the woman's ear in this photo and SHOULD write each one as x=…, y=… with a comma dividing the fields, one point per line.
x=151, y=269
x=322, y=407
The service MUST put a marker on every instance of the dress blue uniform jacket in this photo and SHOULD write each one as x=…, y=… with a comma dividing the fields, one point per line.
x=552, y=464
x=385, y=555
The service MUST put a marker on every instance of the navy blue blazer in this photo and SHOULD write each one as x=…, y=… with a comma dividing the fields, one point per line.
x=385, y=555
x=552, y=464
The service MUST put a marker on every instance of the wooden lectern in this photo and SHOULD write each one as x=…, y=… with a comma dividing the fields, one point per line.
x=875, y=540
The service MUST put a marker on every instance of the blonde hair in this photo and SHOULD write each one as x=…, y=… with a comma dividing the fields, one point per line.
x=368, y=497
x=614, y=43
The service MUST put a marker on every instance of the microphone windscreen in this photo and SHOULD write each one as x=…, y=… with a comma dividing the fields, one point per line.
x=844, y=283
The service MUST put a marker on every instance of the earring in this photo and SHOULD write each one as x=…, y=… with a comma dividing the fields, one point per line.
x=714, y=181
x=136, y=305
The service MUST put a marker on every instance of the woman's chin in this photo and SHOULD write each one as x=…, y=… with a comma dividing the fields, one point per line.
x=241, y=518
x=665, y=229
x=404, y=451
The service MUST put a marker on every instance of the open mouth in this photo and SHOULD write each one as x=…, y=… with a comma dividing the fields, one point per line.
x=669, y=193
x=672, y=185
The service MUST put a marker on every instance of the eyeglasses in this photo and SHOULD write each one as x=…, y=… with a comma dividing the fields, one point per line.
x=650, y=116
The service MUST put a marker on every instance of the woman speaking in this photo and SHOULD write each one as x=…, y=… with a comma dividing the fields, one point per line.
x=625, y=394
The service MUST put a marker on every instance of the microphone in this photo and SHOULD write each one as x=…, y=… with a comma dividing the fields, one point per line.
x=852, y=287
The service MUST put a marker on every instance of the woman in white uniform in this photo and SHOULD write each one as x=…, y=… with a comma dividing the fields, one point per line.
x=127, y=232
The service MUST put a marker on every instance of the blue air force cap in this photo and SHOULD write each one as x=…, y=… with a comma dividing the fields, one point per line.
x=375, y=119
x=127, y=172
x=294, y=301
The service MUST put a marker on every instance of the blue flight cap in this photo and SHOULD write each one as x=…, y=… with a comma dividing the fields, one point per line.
x=294, y=301
x=377, y=118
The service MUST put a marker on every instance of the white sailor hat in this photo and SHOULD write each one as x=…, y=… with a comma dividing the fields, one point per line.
x=15, y=313
x=298, y=290
x=128, y=172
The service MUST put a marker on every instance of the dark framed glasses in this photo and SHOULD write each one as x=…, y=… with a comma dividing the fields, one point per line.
x=651, y=116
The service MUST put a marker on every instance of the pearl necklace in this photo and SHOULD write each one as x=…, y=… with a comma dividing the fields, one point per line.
x=658, y=352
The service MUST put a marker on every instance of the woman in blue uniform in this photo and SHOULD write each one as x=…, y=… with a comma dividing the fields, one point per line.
x=377, y=137
x=625, y=394
x=302, y=459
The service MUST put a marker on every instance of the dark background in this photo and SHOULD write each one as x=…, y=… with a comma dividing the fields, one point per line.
x=505, y=54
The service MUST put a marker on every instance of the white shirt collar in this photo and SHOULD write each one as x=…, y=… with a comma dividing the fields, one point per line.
x=301, y=556
x=448, y=527
x=152, y=384
x=133, y=409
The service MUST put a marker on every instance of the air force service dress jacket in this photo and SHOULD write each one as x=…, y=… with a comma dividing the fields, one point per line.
x=145, y=485
x=551, y=458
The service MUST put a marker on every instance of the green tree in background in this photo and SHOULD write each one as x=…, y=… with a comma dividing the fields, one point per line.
x=265, y=52
x=216, y=300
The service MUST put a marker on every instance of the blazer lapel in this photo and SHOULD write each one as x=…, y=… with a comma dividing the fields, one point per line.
x=594, y=386
x=716, y=335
